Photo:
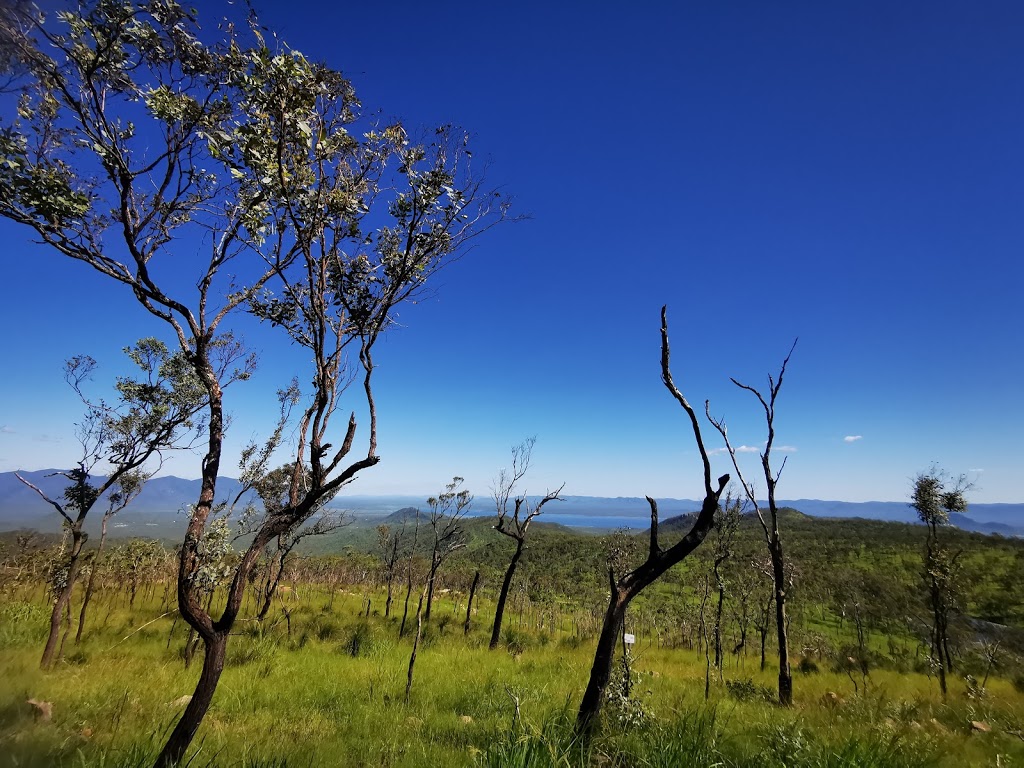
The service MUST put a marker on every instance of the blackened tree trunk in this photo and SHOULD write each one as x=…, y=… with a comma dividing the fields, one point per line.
x=622, y=592
x=469, y=603
x=499, y=611
x=624, y=589
x=781, y=625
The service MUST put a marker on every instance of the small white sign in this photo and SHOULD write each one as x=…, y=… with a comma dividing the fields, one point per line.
x=628, y=639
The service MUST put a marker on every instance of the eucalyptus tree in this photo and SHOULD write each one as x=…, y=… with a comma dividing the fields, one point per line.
x=154, y=413
x=515, y=523
x=389, y=544
x=935, y=497
x=723, y=534
x=626, y=586
x=447, y=512
x=141, y=139
x=770, y=527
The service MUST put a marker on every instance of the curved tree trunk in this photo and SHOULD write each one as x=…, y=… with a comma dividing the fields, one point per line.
x=499, y=612
x=601, y=671
x=63, y=600
x=183, y=733
x=629, y=586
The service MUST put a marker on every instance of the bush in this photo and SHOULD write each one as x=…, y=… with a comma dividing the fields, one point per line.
x=515, y=641
x=808, y=666
x=360, y=639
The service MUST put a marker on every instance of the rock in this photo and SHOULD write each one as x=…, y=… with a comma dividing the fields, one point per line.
x=466, y=719
x=981, y=727
x=41, y=710
x=87, y=733
x=181, y=702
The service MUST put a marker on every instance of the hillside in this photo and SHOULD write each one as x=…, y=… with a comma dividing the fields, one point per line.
x=158, y=512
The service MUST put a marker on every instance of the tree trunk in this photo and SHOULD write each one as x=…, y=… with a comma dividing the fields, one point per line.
x=469, y=604
x=408, y=594
x=183, y=733
x=63, y=600
x=600, y=672
x=499, y=612
x=430, y=588
x=785, y=674
x=718, y=627
x=92, y=580
x=387, y=605
x=415, y=648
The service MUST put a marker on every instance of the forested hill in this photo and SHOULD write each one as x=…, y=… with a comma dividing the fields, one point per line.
x=157, y=511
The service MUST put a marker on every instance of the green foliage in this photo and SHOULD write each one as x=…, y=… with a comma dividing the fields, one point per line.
x=625, y=703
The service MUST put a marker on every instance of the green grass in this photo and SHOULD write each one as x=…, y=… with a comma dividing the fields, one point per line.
x=332, y=693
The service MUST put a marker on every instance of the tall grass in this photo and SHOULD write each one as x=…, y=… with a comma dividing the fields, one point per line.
x=330, y=693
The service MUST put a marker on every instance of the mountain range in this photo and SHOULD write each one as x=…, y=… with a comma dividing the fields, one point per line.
x=160, y=509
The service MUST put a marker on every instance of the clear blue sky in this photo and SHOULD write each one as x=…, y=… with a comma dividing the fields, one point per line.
x=849, y=173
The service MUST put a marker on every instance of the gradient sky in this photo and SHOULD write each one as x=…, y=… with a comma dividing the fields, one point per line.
x=851, y=174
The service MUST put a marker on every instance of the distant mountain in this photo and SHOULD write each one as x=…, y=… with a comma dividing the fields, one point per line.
x=159, y=512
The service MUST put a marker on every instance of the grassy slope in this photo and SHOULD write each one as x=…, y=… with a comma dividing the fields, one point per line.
x=306, y=700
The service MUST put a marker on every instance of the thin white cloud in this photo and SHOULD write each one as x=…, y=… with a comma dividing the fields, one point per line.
x=738, y=449
x=6, y=430
x=852, y=438
x=785, y=448
x=975, y=470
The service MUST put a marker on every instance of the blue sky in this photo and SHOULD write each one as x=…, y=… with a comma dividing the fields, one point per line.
x=849, y=173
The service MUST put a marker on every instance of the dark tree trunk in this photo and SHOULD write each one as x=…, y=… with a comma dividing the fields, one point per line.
x=782, y=628
x=63, y=600
x=469, y=604
x=183, y=733
x=718, y=627
x=629, y=586
x=405, y=612
x=92, y=580
x=415, y=648
x=604, y=656
x=387, y=604
x=430, y=589
x=499, y=612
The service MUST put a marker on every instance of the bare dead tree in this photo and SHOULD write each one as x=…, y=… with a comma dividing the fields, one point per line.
x=516, y=524
x=770, y=527
x=625, y=587
x=447, y=511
